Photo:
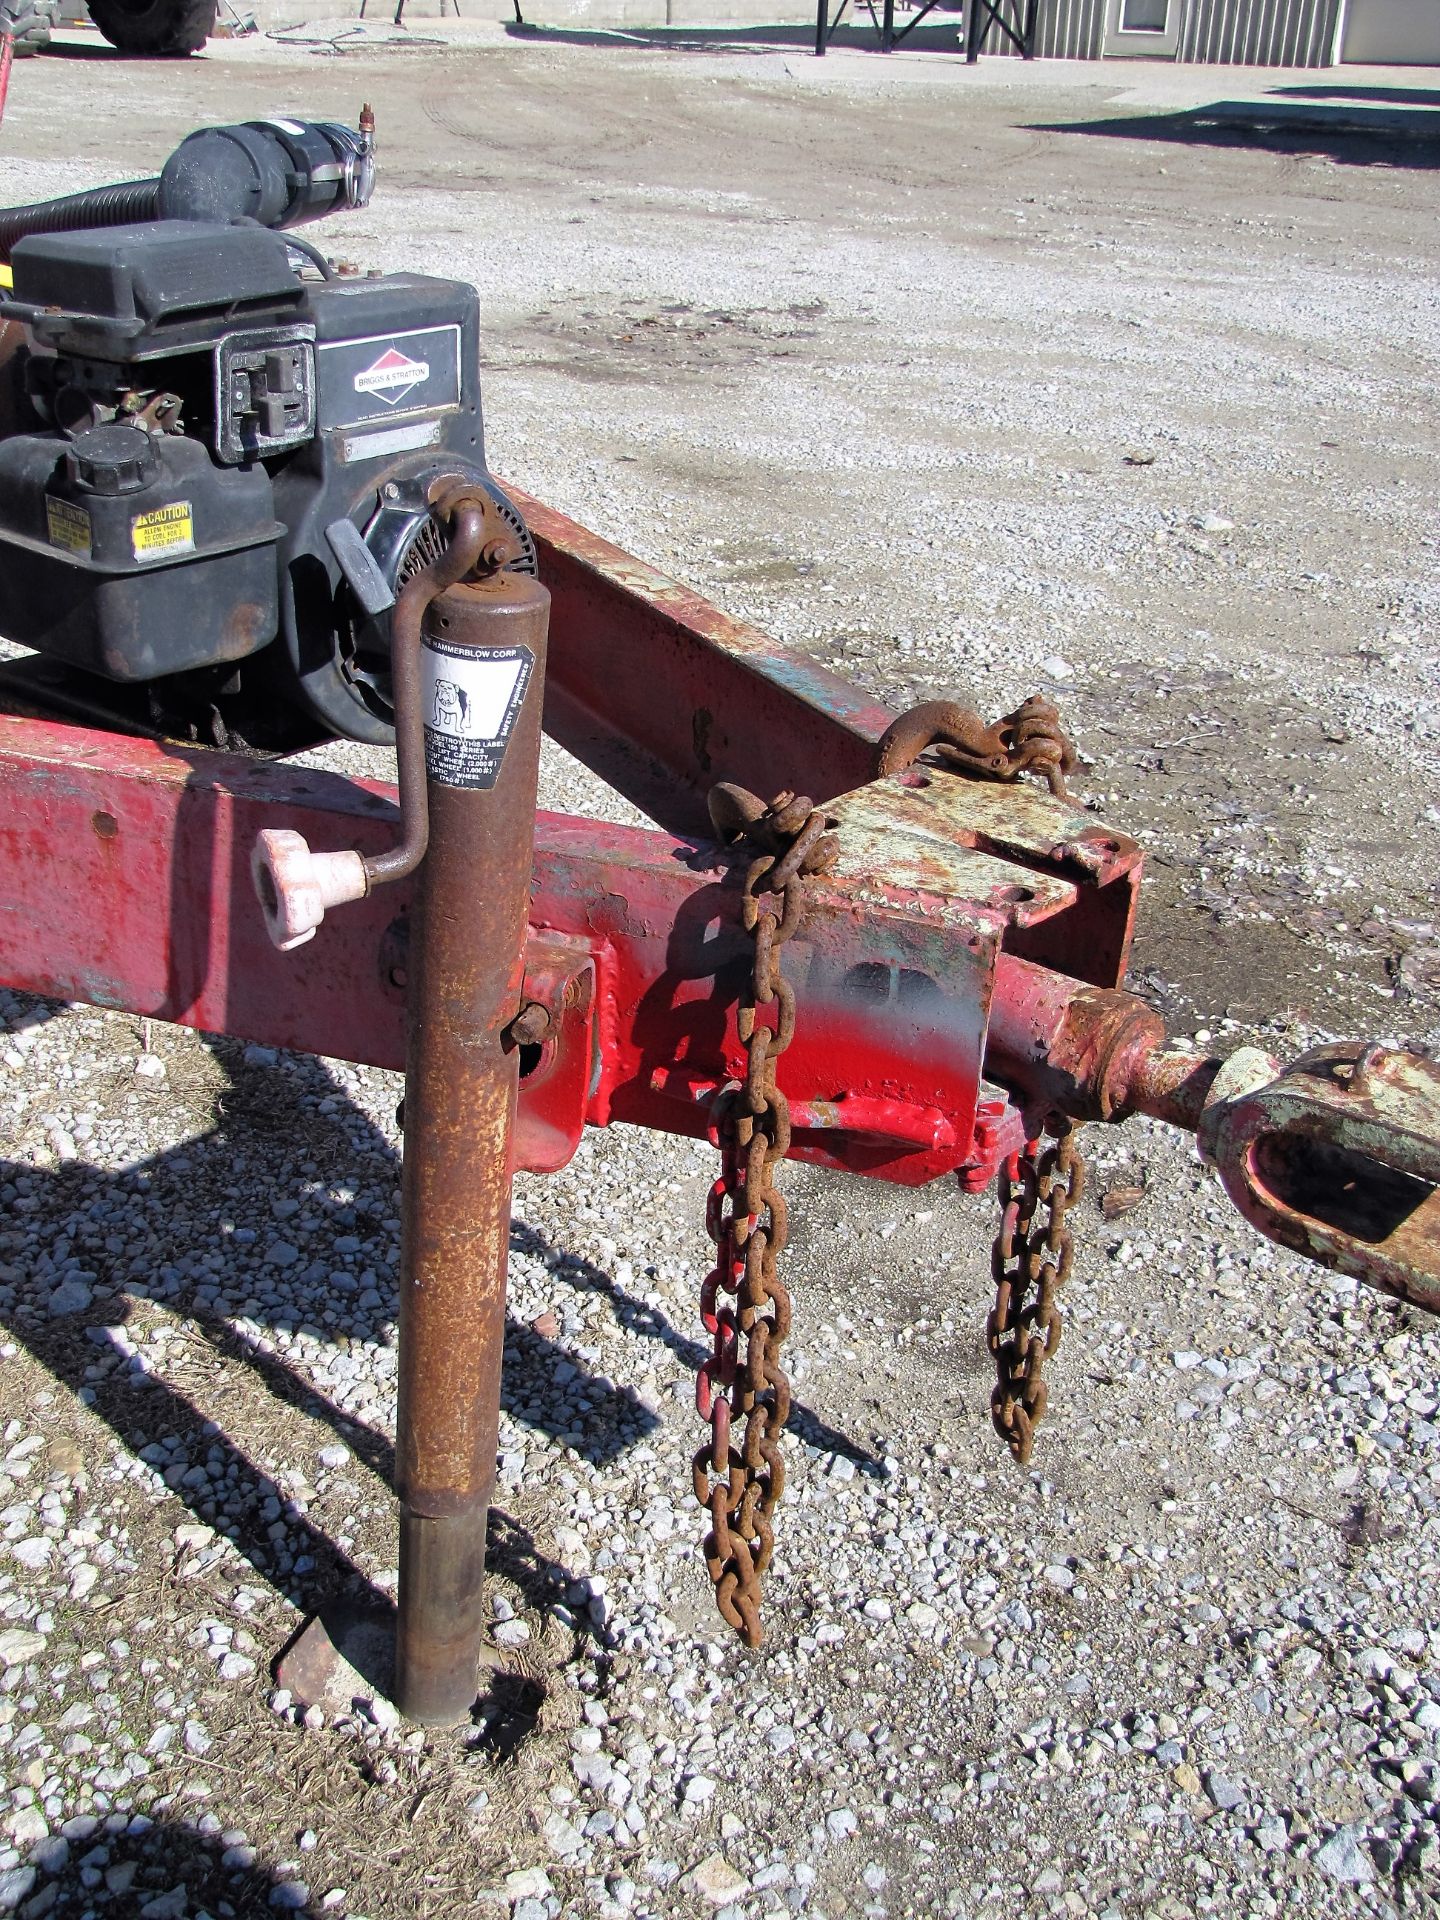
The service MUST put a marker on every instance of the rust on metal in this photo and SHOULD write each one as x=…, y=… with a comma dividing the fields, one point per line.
x=465, y=982
x=1030, y=740
x=744, y=1304
x=986, y=845
x=896, y=843
x=662, y=694
x=1174, y=1084
x=450, y=564
x=530, y=1026
x=1338, y=1156
x=1031, y=1259
x=1071, y=1048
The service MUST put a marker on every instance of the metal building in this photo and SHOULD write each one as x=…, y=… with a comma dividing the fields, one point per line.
x=1264, y=33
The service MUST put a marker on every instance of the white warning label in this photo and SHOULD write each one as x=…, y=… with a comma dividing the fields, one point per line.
x=472, y=700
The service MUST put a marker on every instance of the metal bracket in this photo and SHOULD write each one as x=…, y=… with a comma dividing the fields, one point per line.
x=1339, y=1158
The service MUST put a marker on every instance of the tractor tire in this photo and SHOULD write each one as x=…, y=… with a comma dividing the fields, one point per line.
x=166, y=28
x=33, y=29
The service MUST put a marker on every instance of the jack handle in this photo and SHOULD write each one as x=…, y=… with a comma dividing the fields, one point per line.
x=294, y=884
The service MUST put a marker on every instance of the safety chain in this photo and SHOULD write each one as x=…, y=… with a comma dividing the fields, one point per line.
x=743, y=1303
x=1031, y=1260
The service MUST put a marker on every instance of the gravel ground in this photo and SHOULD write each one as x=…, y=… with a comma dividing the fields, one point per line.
x=878, y=355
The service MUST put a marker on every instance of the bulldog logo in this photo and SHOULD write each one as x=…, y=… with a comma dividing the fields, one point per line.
x=452, y=708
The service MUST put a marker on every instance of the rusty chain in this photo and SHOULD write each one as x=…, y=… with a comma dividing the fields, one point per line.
x=743, y=1302
x=1031, y=1260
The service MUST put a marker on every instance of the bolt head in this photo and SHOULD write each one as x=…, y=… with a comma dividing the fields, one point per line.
x=531, y=1025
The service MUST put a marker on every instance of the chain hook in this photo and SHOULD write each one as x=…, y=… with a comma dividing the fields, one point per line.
x=1029, y=740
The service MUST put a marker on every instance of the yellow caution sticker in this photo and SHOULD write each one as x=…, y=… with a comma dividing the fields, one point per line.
x=164, y=531
x=67, y=525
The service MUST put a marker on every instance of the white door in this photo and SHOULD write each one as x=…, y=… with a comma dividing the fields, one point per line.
x=1145, y=29
x=1400, y=33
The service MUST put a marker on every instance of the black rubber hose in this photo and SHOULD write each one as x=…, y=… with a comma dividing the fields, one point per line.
x=113, y=206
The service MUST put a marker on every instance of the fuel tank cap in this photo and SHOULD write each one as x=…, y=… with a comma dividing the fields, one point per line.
x=113, y=458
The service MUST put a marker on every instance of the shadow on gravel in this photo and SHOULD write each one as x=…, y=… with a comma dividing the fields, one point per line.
x=164, y=1869
x=145, y=1411
x=275, y=1114
x=1371, y=133
x=638, y=1316
x=89, y=1351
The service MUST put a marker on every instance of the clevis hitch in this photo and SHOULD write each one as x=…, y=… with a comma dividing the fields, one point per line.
x=1338, y=1157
